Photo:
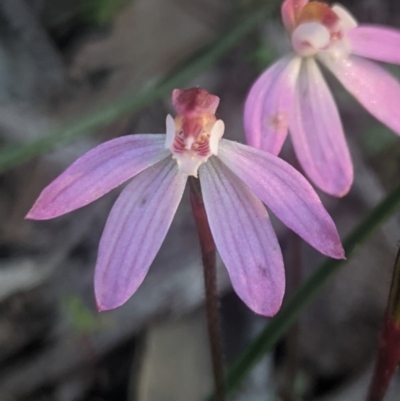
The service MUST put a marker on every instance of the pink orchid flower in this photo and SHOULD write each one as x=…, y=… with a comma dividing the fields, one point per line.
x=235, y=180
x=292, y=94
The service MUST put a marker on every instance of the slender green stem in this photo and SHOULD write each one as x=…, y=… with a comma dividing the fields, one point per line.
x=294, y=266
x=309, y=290
x=208, y=251
x=199, y=61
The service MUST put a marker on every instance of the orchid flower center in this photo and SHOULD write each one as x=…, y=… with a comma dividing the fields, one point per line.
x=310, y=38
x=193, y=136
x=193, y=140
x=320, y=28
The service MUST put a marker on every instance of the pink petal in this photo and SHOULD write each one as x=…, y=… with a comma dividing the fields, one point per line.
x=268, y=105
x=290, y=11
x=376, y=42
x=317, y=133
x=253, y=109
x=244, y=238
x=134, y=232
x=373, y=87
x=98, y=172
x=286, y=192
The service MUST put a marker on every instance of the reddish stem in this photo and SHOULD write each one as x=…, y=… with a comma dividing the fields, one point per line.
x=388, y=359
x=389, y=347
x=208, y=251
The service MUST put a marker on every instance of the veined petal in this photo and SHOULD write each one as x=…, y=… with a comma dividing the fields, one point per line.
x=268, y=105
x=290, y=11
x=98, y=172
x=135, y=230
x=286, y=192
x=376, y=42
x=317, y=133
x=372, y=86
x=244, y=237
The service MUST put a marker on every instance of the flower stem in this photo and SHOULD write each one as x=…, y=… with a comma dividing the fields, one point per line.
x=207, y=246
x=389, y=347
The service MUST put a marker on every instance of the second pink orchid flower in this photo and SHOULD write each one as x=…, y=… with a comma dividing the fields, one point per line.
x=292, y=94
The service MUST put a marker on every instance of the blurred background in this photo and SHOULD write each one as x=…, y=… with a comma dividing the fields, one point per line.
x=70, y=68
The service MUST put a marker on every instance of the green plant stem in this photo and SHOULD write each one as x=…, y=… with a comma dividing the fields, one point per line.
x=208, y=252
x=294, y=267
x=308, y=291
x=389, y=347
x=13, y=155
